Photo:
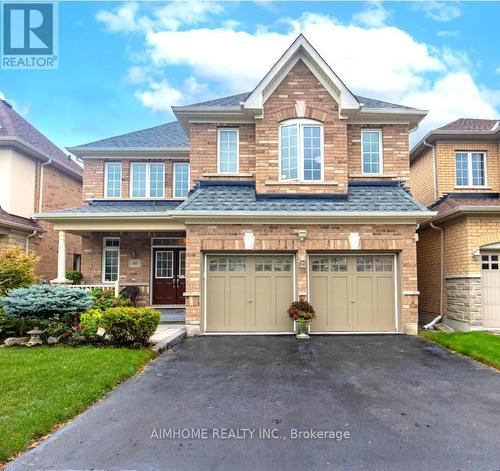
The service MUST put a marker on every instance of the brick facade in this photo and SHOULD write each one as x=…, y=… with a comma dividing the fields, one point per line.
x=421, y=181
x=283, y=238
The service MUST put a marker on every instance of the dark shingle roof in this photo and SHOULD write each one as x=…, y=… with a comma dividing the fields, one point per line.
x=226, y=196
x=13, y=125
x=120, y=207
x=12, y=218
x=469, y=124
x=169, y=135
x=235, y=100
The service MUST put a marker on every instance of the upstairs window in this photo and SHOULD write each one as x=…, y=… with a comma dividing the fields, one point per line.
x=228, y=150
x=147, y=180
x=371, y=151
x=181, y=179
x=301, y=150
x=113, y=179
x=470, y=168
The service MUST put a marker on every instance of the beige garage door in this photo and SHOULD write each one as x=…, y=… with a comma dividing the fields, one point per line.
x=353, y=293
x=491, y=289
x=249, y=293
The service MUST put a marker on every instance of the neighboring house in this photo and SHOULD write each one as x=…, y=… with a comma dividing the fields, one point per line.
x=455, y=170
x=249, y=202
x=35, y=176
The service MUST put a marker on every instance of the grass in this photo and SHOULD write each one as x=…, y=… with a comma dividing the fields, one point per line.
x=481, y=346
x=45, y=386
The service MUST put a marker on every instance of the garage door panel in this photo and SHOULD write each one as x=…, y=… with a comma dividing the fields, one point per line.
x=385, y=303
x=236, y=304
x=217, y=302
x=365, y=304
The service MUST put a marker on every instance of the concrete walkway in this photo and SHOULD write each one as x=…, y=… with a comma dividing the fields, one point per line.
x=166, y=336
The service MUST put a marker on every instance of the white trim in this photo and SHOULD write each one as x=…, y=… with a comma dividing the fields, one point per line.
x=103, y=256
x=396, y=291
x=470, y=178
x=237, y=150
x=106, y=165
x=171, y=252
x=380, y=151
x=174, y=165
x=301, y=123
x=148, y=181
x=179, y=267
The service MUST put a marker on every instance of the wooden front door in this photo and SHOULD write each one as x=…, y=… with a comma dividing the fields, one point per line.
x=169, y=280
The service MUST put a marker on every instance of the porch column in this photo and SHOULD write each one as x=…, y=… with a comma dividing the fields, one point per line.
x=61, y=259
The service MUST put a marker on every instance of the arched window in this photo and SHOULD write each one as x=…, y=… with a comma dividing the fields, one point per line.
x=301, y=150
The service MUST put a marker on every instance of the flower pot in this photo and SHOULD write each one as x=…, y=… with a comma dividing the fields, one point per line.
x=302, y=329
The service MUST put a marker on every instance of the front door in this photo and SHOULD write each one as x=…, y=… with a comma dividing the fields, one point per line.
x=169, y=281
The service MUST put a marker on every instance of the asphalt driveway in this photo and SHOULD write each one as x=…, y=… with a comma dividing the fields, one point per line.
x=382, y=402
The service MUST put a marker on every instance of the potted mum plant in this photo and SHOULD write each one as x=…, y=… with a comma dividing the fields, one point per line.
x=301, y=312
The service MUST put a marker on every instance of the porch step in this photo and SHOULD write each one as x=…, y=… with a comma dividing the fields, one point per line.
x=172, y=315
x=166, y=337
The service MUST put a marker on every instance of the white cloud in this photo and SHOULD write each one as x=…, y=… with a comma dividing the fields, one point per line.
x=123, y=19
x=2, y=96
x=374, y=15
x=383, y=62
x=497, y=70
x=439, y=11
x=448, y=34
x=137, y=74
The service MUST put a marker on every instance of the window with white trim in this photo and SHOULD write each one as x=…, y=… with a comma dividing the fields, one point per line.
x=181, y=179
x=147, y=180
x=371, y=151
x=228, y=150
x=470, y=168
x=110, y=259
x=113, y=179
x=301, y=150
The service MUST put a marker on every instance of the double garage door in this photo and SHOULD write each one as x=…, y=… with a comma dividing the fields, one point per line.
x=247, y=293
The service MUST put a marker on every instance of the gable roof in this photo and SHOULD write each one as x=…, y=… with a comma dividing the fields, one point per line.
x=213, y=198
x=165, y=136
x=11, y=220
x=465, y=129
x=14, y=128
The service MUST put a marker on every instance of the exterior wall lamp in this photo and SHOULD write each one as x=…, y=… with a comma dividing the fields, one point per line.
x=476, y=255
x=302, y=235
x=302, y=261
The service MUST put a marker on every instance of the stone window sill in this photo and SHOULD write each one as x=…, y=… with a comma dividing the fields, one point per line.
x=301, y=183
x=473, y=188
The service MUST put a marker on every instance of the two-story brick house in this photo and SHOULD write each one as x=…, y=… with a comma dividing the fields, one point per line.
x=246, y=203
x=35, y=176
x=455, y=170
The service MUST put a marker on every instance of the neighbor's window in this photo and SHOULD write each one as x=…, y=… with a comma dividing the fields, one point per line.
x=181, y=179
x=371, y=151
x=147, y=180
x=301, y=150
x=228, y=143
x=113, y=179
x=470, y=168
x=110, y=259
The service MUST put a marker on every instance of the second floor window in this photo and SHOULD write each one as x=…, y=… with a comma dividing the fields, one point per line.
x=301, y=150
x=113, y=179
x=371, y=151
x=470, y=168
x=181, y=179
x=227, y=154
x=147, y=180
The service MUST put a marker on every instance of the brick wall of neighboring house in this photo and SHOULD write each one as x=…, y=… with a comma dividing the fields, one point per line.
x=93, y=177
x=446, y=171
x=203, y=152
x=398, y=238
x=301, y=85
x=59, y=191
x=395, y=150
x=421, y=181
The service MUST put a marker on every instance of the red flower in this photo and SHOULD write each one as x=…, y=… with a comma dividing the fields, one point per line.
x=78, y=327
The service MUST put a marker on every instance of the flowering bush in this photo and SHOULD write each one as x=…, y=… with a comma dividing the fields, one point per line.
x=301, y=311
x=102, y=299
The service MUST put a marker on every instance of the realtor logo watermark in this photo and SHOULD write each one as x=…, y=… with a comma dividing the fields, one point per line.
x=29, y=36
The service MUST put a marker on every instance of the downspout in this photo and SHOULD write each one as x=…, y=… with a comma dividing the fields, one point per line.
x=441, y=284
x=434, y=166
x=28, y=237
x=40, y=188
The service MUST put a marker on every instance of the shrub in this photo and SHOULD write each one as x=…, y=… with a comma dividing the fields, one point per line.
x=46, y=301
x=301, y=311
x=17, y=269
x=17, y=326
x=102, y=299
x=130, y=325
x=90, y=322
x=74, y=276
x=60, y=325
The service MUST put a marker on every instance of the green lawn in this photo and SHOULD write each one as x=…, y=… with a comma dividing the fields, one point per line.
x=44, y=386
x=481, y=346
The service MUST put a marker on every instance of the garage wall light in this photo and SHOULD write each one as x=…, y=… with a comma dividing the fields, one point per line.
x=476, y=255
x=302, y=262
x=302, y=235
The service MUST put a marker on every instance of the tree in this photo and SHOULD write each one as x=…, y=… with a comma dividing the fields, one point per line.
x=17, y=269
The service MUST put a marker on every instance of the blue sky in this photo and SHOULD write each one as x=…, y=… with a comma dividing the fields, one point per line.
x=122, y=65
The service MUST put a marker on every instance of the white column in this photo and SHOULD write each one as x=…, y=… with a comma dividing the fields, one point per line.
x=61, y=259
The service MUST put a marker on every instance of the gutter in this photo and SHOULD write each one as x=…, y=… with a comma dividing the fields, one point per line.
x=434, y=166
x=40, y=188
x=28, y=237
